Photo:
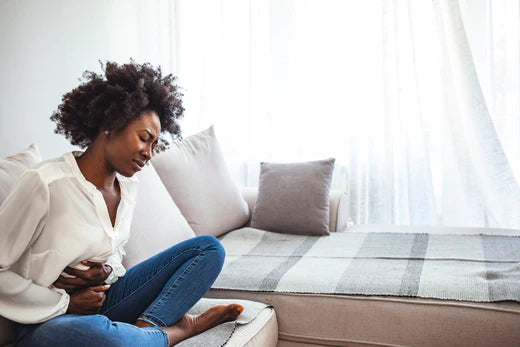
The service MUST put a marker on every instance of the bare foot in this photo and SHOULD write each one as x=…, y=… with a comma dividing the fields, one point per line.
x=212, y=317
x=191, y=325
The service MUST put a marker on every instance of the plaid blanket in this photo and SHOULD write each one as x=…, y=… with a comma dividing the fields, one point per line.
x=461, y=267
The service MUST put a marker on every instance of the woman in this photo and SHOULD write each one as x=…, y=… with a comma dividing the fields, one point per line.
x=66, y=221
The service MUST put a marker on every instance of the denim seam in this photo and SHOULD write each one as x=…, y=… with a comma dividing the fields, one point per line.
x=151, y=278
x=149, y=315
x=166, y=337
x=159, y=330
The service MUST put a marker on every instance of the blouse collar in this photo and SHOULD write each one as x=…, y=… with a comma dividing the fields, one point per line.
x=70, y=159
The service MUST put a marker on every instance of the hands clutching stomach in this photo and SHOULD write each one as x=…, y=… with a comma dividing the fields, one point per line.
x=86, y=289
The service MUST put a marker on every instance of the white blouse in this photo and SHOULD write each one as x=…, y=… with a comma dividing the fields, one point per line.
x=54, y=218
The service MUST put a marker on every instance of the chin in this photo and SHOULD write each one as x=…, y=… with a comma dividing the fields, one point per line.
x=127, y=173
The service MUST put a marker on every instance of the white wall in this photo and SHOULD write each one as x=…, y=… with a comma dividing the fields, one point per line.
x=46, y=45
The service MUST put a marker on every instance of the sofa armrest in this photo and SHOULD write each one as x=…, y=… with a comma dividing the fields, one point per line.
x=338, y=210
x=338, y=219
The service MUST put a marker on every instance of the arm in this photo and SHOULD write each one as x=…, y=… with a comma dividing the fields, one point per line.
x=22, y=217
x=95, y=274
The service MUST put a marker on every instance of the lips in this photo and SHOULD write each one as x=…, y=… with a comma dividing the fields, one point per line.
x=139, y=164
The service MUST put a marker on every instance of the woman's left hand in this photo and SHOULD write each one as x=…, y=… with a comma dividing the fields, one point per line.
x=96, y=275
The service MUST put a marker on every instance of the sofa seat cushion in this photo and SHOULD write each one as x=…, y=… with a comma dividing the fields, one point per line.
x=255, y=324
x=260, y=332
x=347, y=320
x=478, y=268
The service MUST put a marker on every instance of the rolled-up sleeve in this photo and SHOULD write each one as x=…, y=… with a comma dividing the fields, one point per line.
x=22, y=218
x=115, y=262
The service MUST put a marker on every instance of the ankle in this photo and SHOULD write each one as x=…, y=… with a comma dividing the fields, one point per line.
x=178, y=332
x=143, y=324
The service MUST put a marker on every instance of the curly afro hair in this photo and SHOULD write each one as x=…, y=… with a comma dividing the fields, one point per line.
x=110, y=102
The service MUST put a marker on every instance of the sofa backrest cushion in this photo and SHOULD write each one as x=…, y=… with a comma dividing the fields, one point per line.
x=11, y=168
x=157, y=222
x=196, y=175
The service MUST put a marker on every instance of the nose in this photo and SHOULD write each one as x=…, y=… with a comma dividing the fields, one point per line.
x=147, y=152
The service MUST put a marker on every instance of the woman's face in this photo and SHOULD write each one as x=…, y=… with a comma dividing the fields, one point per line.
x=128, y=150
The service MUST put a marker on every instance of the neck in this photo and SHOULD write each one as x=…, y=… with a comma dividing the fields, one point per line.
x=94, y=168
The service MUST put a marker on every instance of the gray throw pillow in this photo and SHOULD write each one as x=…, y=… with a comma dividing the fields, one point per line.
x=294, y=197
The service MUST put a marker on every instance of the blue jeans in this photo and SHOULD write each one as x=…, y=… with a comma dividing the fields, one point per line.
x=159, y=290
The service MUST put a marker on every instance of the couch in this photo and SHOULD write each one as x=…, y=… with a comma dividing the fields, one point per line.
x=302, y=319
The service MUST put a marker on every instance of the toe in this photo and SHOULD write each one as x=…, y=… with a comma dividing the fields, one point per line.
x=236, y=310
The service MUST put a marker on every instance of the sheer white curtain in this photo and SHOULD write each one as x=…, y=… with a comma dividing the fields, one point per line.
x=389, y=88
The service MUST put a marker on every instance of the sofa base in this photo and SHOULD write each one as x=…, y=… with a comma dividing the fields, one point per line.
x=260, y=332
x=356, y=320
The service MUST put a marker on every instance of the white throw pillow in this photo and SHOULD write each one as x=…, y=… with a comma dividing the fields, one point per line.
x=196, y=175
x=12, y=167
x=157, y=223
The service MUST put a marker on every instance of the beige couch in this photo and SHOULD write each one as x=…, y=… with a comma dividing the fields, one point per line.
x=318, y=319
x=357, y=320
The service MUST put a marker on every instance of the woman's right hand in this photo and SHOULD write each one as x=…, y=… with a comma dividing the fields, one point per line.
x=88, y=300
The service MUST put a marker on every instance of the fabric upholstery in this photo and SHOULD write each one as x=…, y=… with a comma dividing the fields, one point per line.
x=222, y=333
x=196, y=176
x=12, y=167
x=261, y=332
x=157, y=222
x=294, y=197
x=460, y=267
x=338, y=207
x=346, y=320
x=338, y=211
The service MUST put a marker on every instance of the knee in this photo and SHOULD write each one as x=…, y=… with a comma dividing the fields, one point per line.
x=212, y=245
x=67, y=330
x=60, y=326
